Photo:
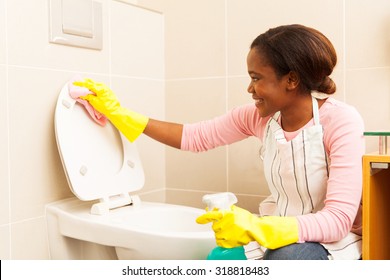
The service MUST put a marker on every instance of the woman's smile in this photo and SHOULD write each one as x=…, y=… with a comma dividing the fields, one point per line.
x=258, y=100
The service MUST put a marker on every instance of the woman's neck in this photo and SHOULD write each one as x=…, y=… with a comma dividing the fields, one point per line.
x=298, y=114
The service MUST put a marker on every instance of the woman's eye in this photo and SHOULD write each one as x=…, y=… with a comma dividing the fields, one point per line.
x=254, y=79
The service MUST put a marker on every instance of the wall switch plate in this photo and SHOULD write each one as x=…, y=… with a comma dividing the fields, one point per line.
x=77, y=17
x=76, y=23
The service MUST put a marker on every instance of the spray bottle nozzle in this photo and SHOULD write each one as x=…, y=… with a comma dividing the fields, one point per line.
x=221, y=201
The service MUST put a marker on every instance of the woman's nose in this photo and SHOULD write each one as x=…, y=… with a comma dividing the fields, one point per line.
x=250, y=88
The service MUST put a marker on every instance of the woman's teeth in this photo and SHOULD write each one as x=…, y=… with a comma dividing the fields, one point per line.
x=259, y=101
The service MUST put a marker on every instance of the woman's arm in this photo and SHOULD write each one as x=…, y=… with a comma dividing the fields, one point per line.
x=343, y=138
x=165, y=132
x=236, y=125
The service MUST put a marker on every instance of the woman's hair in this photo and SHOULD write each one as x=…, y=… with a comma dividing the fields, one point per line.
x=300, y=49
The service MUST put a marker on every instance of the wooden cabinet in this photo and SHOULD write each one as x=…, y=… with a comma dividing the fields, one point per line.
x=376, y=207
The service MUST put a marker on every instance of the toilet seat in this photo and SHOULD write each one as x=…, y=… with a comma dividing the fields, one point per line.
x=98, y=161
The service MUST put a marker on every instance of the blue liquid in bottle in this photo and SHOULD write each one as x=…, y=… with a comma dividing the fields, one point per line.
x=220, y=253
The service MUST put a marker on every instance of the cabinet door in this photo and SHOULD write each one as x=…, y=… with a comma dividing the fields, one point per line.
x=376, y=207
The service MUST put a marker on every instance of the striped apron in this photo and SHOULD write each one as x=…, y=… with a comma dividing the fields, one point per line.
x=297, y=173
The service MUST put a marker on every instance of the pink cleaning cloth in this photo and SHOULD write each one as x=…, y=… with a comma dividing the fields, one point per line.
x=75, y=92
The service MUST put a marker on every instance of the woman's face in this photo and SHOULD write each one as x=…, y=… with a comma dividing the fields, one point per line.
x=267, y=89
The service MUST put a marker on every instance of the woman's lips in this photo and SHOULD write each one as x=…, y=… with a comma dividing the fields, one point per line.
x=259, y=101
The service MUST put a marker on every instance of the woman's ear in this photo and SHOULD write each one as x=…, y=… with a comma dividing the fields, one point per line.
x=292, y=80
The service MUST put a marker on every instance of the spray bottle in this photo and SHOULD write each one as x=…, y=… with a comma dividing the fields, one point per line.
x=223, y=201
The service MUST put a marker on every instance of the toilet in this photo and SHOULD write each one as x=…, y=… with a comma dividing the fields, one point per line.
x=105, y=219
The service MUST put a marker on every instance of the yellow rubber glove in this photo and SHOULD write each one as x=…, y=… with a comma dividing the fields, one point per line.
x=130, y=123
x=237, y=227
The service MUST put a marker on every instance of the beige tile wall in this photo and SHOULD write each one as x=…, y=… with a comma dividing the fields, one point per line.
x=367, y=43
x=5, y=248
x=32, y=73
x=207, y=43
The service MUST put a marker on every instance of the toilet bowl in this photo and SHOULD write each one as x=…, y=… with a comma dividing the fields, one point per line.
x=105, y=219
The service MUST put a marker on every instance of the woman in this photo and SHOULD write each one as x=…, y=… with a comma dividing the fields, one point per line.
x=312, y=149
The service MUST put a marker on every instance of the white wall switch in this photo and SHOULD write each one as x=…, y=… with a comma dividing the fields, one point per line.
x=76, y=23
x=77, y=17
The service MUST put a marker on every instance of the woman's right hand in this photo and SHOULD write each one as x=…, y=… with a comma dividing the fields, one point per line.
x=104, y=99
x=130, y=123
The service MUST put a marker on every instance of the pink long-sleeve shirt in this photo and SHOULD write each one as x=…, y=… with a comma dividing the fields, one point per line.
x=343, y=139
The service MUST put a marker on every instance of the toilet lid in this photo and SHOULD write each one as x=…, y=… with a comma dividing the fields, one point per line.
x=98, y=161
